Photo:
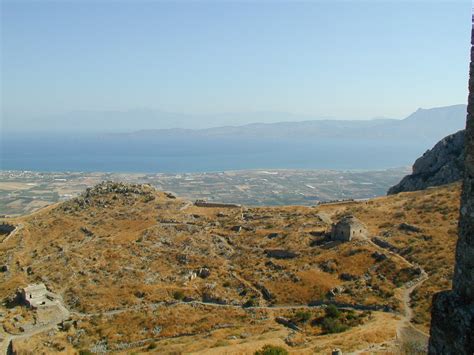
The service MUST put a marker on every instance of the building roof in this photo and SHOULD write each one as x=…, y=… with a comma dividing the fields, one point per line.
x=350, y=221
x=35, y=287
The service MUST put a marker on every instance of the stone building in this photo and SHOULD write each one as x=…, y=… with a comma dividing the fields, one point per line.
x=37, y=295
x=347, y=228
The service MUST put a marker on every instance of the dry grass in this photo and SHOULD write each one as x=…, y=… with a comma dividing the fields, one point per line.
x=140, y=250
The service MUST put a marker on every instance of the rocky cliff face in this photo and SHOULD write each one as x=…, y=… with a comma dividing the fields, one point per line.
x=452, y=313
x=442, y=164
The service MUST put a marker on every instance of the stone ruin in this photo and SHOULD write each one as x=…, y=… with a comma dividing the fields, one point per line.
x=347, y=228
x=452, y=313
x=204, y=203
x=37, y=295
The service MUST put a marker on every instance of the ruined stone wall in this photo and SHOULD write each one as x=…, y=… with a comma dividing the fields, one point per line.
x=202, y=203
x=452, y=323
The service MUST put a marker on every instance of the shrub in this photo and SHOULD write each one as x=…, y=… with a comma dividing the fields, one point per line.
x=178, y=295
x=332, y=325
x=302, y=316
x=332, y=311
x=250, y=303
x=272, y=350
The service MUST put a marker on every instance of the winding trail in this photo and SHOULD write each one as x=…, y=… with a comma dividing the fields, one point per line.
x=405, y=331
x=405, y=327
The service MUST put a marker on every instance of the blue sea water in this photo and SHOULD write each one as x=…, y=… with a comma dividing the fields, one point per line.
x=171, y=155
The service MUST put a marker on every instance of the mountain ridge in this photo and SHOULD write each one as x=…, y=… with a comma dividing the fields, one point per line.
x=430, y=124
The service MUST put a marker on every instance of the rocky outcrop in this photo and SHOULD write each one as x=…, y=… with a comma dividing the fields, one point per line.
x=99, y=194
x=442, y=164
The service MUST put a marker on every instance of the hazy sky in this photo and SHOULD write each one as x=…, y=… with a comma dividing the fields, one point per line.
x=354, y=59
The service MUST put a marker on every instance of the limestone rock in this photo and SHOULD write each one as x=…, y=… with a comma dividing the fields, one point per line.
x=443, y=164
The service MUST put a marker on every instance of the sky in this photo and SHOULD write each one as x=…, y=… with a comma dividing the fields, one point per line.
x=342, y=59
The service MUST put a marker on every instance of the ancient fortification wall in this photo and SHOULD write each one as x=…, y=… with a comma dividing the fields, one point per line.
x=203, y=203
x=452, y=324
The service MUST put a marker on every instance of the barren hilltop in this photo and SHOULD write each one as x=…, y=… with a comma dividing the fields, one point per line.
x=135, y=268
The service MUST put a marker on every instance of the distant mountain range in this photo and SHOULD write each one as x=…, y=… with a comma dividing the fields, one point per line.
x=431, y=124
x=424, y=124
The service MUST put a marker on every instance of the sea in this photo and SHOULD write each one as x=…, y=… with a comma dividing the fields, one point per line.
x=113, y=153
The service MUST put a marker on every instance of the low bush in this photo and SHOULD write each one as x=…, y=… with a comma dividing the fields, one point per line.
x=178, y=295
x=272, y=350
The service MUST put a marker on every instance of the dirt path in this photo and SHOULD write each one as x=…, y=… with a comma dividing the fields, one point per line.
x=405, y=329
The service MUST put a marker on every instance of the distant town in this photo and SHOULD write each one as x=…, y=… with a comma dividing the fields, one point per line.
x=23, y=192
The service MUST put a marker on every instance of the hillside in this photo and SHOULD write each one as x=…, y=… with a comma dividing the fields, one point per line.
x=139, y=269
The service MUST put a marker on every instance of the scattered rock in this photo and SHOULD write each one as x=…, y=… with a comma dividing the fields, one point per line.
x=87, y=232
x=323, y=217
x=265, y=292
x=280, y=254
x=409, y=228
x=274, y=266
x=287, y=323
x=379, y=256
x=348, y=277
x=208, y=298
x=335, y=291
x=203, y=273
x=329, y=266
